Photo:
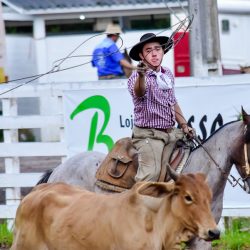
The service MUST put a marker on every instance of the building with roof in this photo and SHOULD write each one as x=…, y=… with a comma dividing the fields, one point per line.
x=96, y=14
x=41, y=32
x=41, y=25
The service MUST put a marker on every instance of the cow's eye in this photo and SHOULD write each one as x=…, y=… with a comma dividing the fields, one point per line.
x=188, y=199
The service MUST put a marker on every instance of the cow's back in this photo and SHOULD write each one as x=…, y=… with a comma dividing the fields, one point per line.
x=37, y=213
x=62, y=217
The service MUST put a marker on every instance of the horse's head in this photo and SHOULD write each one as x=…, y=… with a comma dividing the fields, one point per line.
x=242, y=158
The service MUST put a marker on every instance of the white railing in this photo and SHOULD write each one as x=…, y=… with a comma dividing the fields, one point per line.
x=11, y=149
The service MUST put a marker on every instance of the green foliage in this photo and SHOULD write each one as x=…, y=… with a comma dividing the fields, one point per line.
x=26, y=135
x=234, y=240
x=6, y=236
x=237, y=237
x=1, y=135
x=152, y=23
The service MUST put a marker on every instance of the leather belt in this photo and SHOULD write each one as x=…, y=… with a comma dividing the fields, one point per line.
x=166, y=130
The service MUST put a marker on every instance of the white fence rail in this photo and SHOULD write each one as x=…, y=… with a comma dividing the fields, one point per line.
x=11, y=149
x=50, y=117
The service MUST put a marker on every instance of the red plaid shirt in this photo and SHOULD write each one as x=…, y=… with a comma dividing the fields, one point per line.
x=156, y=108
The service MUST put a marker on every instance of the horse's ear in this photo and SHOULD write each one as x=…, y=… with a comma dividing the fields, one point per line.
x=245, y=116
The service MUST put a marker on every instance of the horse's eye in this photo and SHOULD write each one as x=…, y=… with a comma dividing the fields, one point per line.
x=188, y=199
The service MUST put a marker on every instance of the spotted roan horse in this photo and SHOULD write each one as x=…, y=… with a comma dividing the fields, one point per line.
x=227, y=146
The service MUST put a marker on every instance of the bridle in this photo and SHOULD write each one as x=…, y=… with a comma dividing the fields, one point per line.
x=247, y=166
x=234, y=182
x=247, y=169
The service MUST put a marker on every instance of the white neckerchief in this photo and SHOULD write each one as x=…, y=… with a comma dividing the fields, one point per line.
x=163, y=81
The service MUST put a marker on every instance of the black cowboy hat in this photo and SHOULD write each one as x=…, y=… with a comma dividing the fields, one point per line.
x=165, y=41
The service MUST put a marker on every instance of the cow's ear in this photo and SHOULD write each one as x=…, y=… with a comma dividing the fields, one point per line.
x=155, y=189
x=152, y=193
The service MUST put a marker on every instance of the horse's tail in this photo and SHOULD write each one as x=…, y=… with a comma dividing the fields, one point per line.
x=45, y=177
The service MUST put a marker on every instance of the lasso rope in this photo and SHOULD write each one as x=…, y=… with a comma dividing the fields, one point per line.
x=56, y=68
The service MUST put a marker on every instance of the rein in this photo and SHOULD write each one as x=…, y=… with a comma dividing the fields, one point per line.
x=234, y=182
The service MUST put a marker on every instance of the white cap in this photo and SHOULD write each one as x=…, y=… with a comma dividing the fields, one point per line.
x=113, y=29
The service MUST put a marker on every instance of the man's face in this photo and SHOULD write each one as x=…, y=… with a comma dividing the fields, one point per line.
x=152, y=53
x=115, y=37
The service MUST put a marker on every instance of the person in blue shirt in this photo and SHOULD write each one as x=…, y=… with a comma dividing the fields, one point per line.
x=107, y=57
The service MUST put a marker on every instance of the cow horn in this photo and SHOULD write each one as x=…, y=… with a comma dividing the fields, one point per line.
x=172, y=174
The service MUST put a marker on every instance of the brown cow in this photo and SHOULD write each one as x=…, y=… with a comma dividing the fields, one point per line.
x=150, y=216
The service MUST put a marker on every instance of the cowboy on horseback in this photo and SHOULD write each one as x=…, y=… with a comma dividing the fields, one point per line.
x=156, y=109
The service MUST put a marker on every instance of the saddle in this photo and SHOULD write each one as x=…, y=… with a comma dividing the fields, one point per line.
x=117, y=171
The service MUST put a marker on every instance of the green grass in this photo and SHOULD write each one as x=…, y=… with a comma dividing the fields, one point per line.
x=233, y=241
x=6, y=236
x=236, y=237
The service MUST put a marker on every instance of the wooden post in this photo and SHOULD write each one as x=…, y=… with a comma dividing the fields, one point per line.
x=12, y=164
x=39, y=34
x=205, y=53
x=2, y=48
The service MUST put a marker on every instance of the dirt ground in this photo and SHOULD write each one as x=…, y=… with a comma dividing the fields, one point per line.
x=31, y=164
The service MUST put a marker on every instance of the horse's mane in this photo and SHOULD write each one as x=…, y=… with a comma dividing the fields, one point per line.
x=216, y=131
x=247, y=135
